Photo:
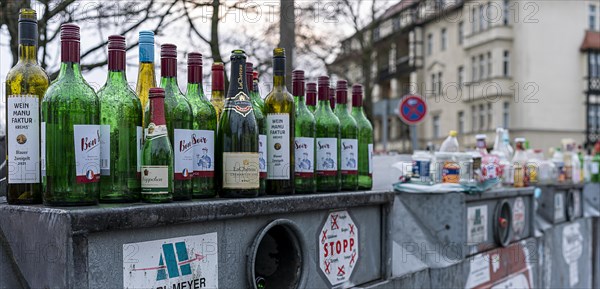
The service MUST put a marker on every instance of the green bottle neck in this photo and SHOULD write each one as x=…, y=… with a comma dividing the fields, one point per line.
x=341, y=109
x=358, y=110
x=300, y=102
x=70, y=70
x=117, y=77
x=169, y=84
x=195, y=90
x=27, y=53
x=324, y=107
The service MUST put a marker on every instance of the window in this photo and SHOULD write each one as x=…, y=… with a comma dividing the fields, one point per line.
x=505, y=114
x=433, y=83
x=506, y=64
x=440, y=83
x=481, y=67
x=489, y=65
x=443, y=39
x=461, y=122
x=592, y=19
x=461, y=76
x=473, y=118
x=429, y=43
x=481, y=117
x=594, y=64
x=436, y=126
x=392, y=58
x=461, y=33
x=474, y=20
x=505, y=13
x=490, y=114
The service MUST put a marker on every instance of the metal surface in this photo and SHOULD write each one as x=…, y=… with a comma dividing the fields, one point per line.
x=560, y=203
x=591, y=195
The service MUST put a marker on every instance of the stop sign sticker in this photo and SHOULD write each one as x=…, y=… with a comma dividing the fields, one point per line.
x=338, y=247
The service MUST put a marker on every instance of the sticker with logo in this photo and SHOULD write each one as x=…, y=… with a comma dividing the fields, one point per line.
x=240, y=104
x=327, y=159
x=87, y=152
x=278, y=146
x=477, y=218
x=518, y=216
x=184, y=262
x=183, y=154
x=204, y=153
x=155, y=180
x=349, y=156
x=240, y=171
x=23, y=139
x=305, y=157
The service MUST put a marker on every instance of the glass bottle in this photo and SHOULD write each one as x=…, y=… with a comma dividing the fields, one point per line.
x=26, y=84
x=521, y=177
x=255, y=91
x=327, y=142
x=262, y=134
x=179, y=123
x=349, y=139
x=365, y=140
x=217, y=97
x=595, y=165
x=71, y=113
x=146, y=76
x=157, y=154
x=304, y=142
x=311, y=96
x=205, y=127
x=120, y=130
x=237, y=137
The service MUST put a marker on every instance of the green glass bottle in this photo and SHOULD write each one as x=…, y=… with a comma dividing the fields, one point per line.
x=71, y=113
x=217, y=96
x=205, y=127
x=262, y=135
x=327, y=142
x=349, y=139
x=120, y=130
x=279, y=116
x=365, y=140
x=26, y=84
x=146, y=75
x=157, y=154
x=255, y=91
x=595, y=167
x=237, y=137
x=311, y=96
x=179, y=123
x=304, y=141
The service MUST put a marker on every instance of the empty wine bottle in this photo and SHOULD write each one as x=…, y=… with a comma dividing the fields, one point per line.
x=365, y=140
x=311, y=96
x=328, y=141
x=349, y=139
x=262, y=135
x=304, y=132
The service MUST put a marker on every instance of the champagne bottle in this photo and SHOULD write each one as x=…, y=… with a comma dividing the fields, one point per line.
x=311, y=96
x=26, y=84
x=237, y=137
x=71, y=113
x=349, y=139
x=279, y=111
x=327, y=142
x=260, y=122
x=157, y=155
x=146, y=76
x=365, y=140
x=304, y=133
x=120, y=130
x=179, y=123
x=205, y=127
x=256, y=89
x=218, y=88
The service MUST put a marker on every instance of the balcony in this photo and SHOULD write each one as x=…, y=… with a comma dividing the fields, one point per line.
x=403, y=66
x=593, y=86
x=488, y=35
x=490, y=89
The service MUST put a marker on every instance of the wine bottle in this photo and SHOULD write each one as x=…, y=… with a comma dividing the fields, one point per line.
x=218, y=88
x=327, y=142
x=332, y=97
x=256, y=89
x=179, y=123
x=365, y=140
x=279, y=111
x=157, y=155
x=26, y=84
x=237, y=137
x=71, y=113
x=146, y=76
x=311, y=96
x=260, y=122
x=205, y=127
x=120, y=130
x=304, y=142
x=349, y=139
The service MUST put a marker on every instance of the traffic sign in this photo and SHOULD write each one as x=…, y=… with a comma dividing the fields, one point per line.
x=412, y=109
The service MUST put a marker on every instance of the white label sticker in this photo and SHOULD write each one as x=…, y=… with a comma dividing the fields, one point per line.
x=572, y=243
x=327, y=161
x=370, y=159
x=140, y=147
x=559, y=207
x=184, y=262
x=479, y=270
x=105, y=149
x=595, y=168
x=86, y=138
x=23, y=141
x=240, y=171
x=349, y=156
x=43, y=145
x=155, y=180
x=204, y=153
x=184, y=154
x=278, y=146
x=518, y=215
x=477, y=224
x=262, y=154
x=338, y=247
x=305, y=156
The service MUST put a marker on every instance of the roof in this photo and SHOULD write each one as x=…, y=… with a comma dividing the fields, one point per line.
x=591, y=41
x=403, y=4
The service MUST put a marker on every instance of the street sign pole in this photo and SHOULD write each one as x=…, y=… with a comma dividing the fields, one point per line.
x=414, y=137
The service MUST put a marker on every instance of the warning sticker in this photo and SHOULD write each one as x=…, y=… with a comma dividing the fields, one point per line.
x=338, y=247
x=572, y=249
x=518, y=216
x=479, y=270
x=477, y=218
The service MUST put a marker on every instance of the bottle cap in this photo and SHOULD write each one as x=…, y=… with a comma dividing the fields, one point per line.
x=249, y=67
x=255, y=74
x=357, y=94
x=69, y=32
x=194, y=58
x=218, y=66
x=279, y=52
x=342, y=91
x=168, y=51
x=453, y=133
x=311, y=87
x=116, y=42
x=323, y=81
x=146, y=37
x=156, y=92
x=27, y=15
x=520, y=139
x=297, y=74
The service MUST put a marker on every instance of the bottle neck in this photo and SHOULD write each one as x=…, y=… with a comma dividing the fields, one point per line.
x=358, y=110
x=146, y=70
x=279, y=73
x=157, y=111
x=117, y=77
x=218, y=85
x=255, y=86
x=341, y=108
x=168, y=67
x=28, y=35
x=195, y=89
x=27, y=53
x=237, y=82
x=69, y=51
x=70, y=69
x=249, y=81
x=195, y=74
x=169, y=83
x=323, y=105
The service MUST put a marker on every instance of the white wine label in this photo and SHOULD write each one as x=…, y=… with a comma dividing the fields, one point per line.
x=86, y=138
x=305, y=157
x=278, y=146
x=43, y=145
x=154, y=131
x=105, y=149
x=155, y=180
x=140, y=146
x=349, y=156
x=327, y=158
x=184, y=154
x=23, y=139
x=240, y=171
x=262, y=154
x=204, y=153
x=370, y=159
x=595, y=168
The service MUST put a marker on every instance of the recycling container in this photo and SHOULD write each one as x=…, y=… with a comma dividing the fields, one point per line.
x=591, y=194
x=561, y=202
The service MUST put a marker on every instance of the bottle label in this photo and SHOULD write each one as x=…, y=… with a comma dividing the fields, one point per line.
x=155, y=180
x=184, y=154
x=140, y=146
x=327, y=164
x=105, y=149
x=450, y=172
x=24, y=139
x=262, y=154
x=204, y=153
x=420, y=168
x=349, y=156
x=278, y=146
x=154, y=131
x=371, y=159
x=240, y=171
x=43, y=145
x=240, y=104
x=305, y=156
x=87, y=152
x=595, y=168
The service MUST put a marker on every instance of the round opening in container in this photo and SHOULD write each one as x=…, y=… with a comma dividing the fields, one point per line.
x=503, y=223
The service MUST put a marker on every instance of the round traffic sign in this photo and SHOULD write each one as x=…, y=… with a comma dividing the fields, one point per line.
x=412, y=109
